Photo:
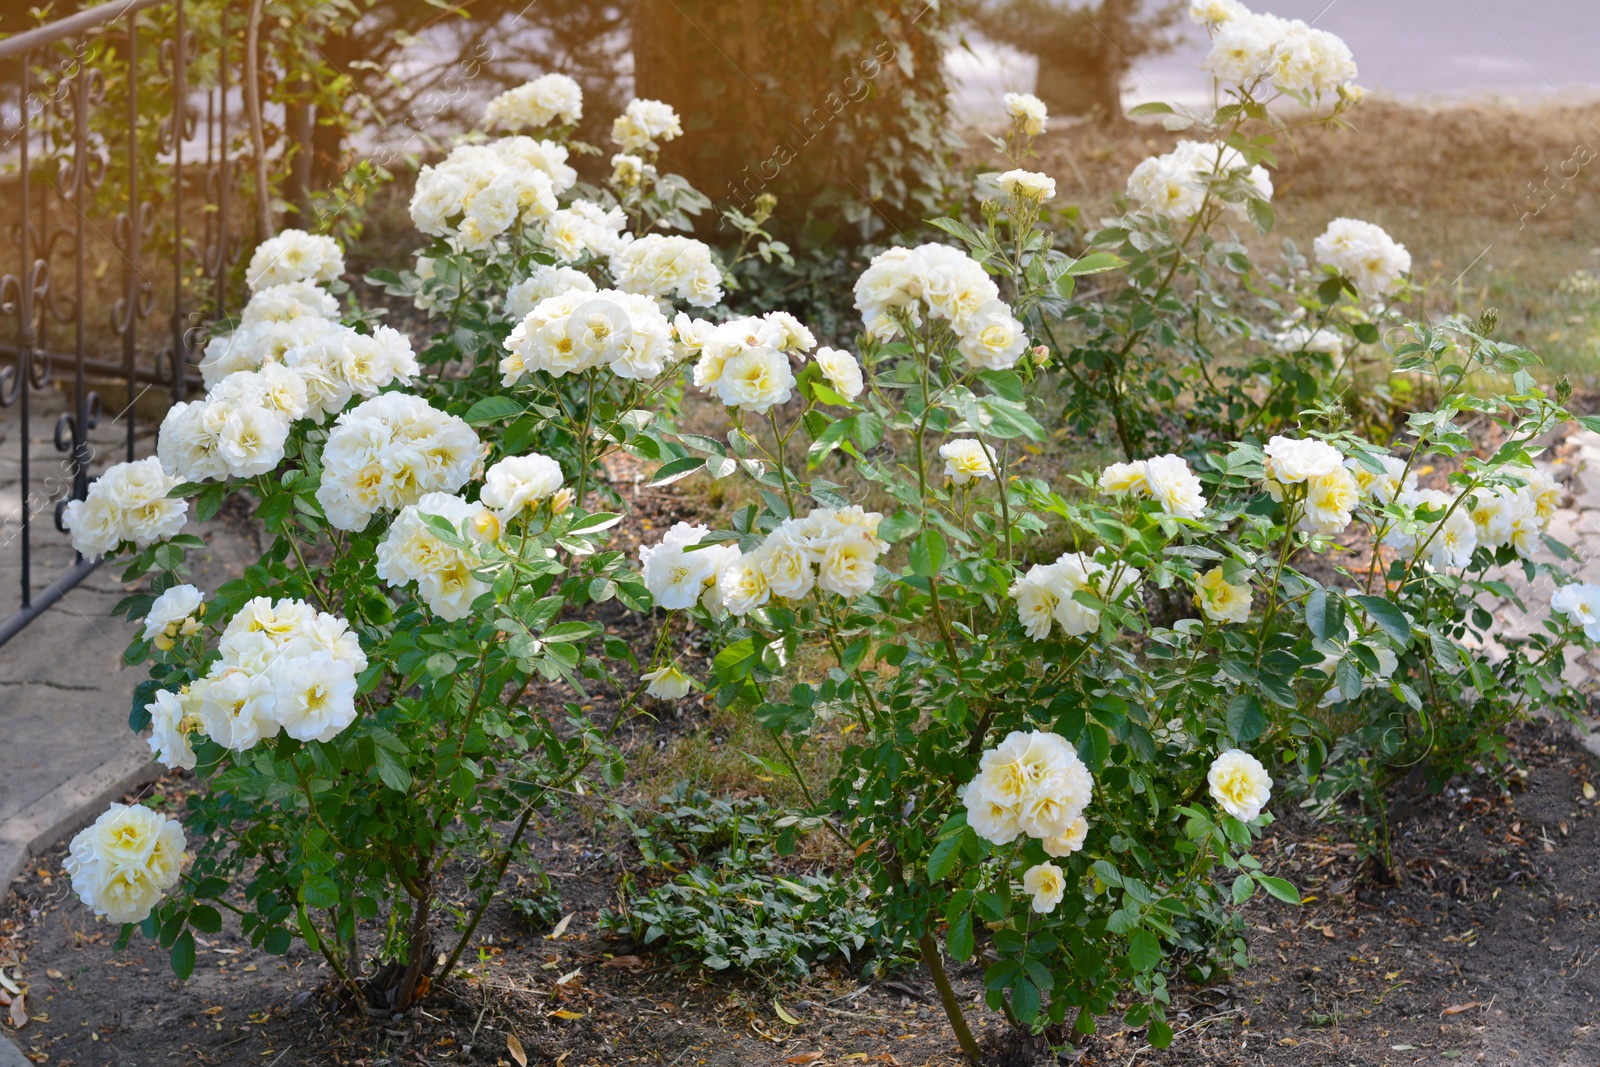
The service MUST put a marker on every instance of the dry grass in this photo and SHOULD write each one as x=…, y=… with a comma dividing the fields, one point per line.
x=1455, y=185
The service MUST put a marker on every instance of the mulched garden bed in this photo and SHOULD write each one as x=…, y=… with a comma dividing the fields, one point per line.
x=1485, y=952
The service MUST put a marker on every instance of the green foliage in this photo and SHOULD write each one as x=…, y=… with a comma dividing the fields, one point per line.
x=737, y=905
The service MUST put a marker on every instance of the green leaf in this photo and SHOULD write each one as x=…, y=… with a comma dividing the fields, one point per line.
x=1389, y=618
x=391, y=771
x=1154, y=107
x=957, y=229
x=1244, y=887
x=572, y=631
x=897, y=526
x=205, y=918
x=735, y=661
x=1108, y=874
x=1160, y=1034
x=959, y=940
x=1324, y=615
x=1246, y=721
x=943, y=857
x=928, y=553
x=1261, y=215
x=492, y=409
x=1095, y=263
x=183, y=955
x=1025, y=1000
x=319, y=891
x=1006, y=383
x=1144, y=951
x=1283, y=890
x=668, y=473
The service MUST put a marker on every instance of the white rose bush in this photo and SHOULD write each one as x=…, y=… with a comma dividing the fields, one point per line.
x=352, y=706
x=1063, y=710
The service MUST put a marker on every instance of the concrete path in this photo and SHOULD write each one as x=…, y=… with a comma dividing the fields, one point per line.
x=65, y=746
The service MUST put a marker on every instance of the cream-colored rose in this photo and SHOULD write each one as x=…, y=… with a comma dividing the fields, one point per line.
x=966, y=460
x=1047, y=884
x=1220, y=600
x=1240, y=784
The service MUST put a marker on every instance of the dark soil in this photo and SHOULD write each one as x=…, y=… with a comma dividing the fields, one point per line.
x=1485, y=952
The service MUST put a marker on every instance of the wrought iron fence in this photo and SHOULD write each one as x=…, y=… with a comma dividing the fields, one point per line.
x=118, y=164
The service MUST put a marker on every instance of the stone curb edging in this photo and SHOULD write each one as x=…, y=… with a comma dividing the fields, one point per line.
x=69, y=806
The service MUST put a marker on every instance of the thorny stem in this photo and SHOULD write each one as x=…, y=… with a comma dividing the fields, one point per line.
x=488, y=895
x=947, y=997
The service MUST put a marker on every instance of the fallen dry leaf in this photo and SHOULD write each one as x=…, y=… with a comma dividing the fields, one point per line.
x=561, y=928
x=630, y=963
x=1457, y=1009
x=567, y=1013
x=805, y=1057
x=18, y=1013
x=514, y=1046
x=1327, y=931
x=53, y=973
x=785, y=1016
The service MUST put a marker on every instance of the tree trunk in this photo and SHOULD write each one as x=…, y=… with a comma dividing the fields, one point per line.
x=299, y=122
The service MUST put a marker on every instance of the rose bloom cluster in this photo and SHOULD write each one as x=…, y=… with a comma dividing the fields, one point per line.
x=579, y=330
x=630, y=171
x=172, y=616
x=1175, y=185
x=1247, y=48
x=535, y=104
x=444, y=572
x=128, y=503
x=1316, y=474
x=585, y=228
x=388, y=452
x=645, y=125
x=283, y=666
x=1164, y=479
x=292, y=256
x=478, y=192
x=665, y=266
x=540, y=285
x=1027, y=185
x=1364, y=253
x=1032, y=784
x=1044, y=595
x=124, y=864
x=1489, y=517
x=1027, y=111
x=834, y=549
x=1240, y=784
x=240, y=428
x=746, y=362
x=901, y=283
x=276, y=321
